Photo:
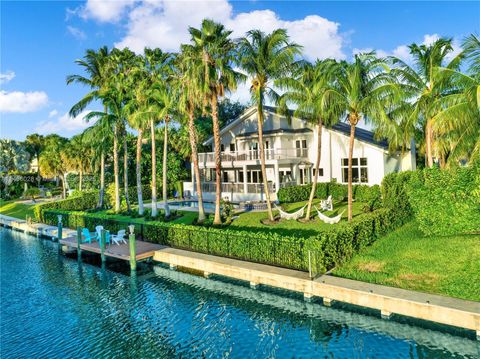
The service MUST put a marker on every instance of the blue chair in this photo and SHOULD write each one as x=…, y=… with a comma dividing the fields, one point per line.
x=87, y=236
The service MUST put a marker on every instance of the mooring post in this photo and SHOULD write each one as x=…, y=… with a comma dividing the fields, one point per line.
x=60, y=227
x=79, y=241
x=103, y=239
x=133, y=250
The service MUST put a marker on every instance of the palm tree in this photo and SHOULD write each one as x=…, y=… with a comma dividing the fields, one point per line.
x=362, y=89
x=215, y=49
x=266, y=58
x=35, y=144
x=189, y=85
x=159, y=67
x=306, y=91
x=99, y=136
x=99, y=67
x=458, y=114
x=52, y=159
x=422, y=87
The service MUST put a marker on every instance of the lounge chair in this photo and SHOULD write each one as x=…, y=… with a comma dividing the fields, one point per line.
x=295, y=215
x=327, y=204
x=119, y=237
x=98, y=230
x=329, y=220
x=87, y=236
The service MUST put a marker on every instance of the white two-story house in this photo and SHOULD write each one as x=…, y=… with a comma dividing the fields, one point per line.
x=290, y=152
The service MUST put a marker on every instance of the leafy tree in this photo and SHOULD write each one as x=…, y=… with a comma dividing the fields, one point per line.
x=266, y=58
x=34, y=145
x=13, y=156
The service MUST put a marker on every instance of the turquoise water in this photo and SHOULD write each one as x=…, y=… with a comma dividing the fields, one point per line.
x=56, y=307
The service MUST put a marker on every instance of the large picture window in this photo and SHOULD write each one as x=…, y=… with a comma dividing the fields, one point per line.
x=359, y=170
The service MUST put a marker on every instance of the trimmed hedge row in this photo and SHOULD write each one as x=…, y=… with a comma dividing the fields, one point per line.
x=80, y=202
x=338, y=191
x=446, y=202
x=132, y=194
x=327, y=249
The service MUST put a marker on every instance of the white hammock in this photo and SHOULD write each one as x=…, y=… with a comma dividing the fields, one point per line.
x=329, y=220
x=295, y=215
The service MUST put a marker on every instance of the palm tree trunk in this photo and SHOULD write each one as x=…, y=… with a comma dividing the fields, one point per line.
x=154, y=169
x=317, y=165
x=115, y=169
x=428, y=143
x=350, y=179
x=218, y=161
x=164, y=169
x=64, y=187
x=102, y=179
x=196, y=168
x=139, y=172
x=125, y=170
x=262, y=159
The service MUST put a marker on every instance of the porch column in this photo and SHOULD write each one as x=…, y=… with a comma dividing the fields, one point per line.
x=277, y=176
x=245, y=187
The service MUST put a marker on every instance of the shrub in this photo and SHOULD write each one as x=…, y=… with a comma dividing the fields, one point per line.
x=132, y=194
x=445, y=202
x=395, y=197
x=83, y=201
x=363, y=193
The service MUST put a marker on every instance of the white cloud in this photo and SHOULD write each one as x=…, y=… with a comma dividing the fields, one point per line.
x=6, y=77
x=64, y=123
x=76, y=33
x=403, y=51
x=165, y=24
x=22, y=102
x=52, y=113
x=104, y=11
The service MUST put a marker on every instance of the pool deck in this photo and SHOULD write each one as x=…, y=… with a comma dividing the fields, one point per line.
x=144, y=250
x=388, y=300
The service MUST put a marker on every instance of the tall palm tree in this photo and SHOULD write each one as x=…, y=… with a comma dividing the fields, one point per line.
x=361, y=90
x=159, y=68
x=189, y=82
x=35, y=144
x=99, y=67
x=422, y=87
x=306, y=90
x=458, y=112
x=212, y=44
x=266, y=58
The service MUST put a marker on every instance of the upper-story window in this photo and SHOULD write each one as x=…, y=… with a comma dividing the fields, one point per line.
x=232, y=147
x=222, y=147
x=359, y=170
x=301, y=146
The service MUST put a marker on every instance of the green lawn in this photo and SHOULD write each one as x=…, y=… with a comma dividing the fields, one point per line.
x=251, y=221
x=406, y=259
x=17, y=210
x=186, y=218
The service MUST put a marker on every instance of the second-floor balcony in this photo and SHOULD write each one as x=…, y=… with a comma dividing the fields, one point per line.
x=252, y=155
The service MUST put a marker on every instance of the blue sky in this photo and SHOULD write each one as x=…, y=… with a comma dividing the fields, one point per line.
x=40, y=40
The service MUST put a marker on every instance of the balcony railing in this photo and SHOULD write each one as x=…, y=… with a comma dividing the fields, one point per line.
x=229, y=187
x=270, y=154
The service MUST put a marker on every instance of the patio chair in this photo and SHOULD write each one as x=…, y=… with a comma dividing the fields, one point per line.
x=88, y=237
x=98, y=230
x=119, y=237
x=327, y=204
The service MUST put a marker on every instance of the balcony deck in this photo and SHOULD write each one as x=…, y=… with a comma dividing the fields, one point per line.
x=254, y=155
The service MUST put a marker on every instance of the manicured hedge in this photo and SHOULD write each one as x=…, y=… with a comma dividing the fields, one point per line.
x=338, y=191
x=80, y=202
x=395, y=197
x=327, y=249
x=446, y=202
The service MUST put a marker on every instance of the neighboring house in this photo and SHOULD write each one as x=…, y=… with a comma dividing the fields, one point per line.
x=290, y=152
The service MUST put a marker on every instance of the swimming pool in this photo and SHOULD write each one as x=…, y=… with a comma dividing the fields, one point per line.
x=57, y=307
x=208, y=206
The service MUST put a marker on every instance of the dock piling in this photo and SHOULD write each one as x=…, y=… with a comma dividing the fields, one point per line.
x=59, y=228
x=133, y=251
x=79, y=241
x=103, y=236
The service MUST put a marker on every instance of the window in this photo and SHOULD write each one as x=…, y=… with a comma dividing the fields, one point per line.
x=254, y=176
x=222, y=147
x=304, y=176
x=320, y=172
x=225, y=176
x=240, y=176
x=301, y=146
x=285, y=176
x=232, y=147
x=359, y=170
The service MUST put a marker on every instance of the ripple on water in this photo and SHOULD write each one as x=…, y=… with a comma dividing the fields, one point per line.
x=55, y=307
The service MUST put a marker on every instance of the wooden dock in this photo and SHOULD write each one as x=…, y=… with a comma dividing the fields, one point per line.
x=144, y=250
